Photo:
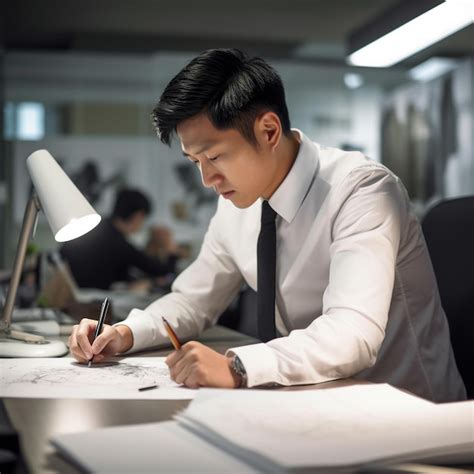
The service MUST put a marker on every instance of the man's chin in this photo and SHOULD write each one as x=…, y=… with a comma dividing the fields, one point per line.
x=241, y=203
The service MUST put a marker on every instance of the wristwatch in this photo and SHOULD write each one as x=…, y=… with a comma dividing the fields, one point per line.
x=237, y=366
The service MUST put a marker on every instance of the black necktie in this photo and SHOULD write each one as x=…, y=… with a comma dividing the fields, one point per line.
x=266, y=271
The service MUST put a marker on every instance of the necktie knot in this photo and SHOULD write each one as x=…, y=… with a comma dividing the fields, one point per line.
x=268, y=214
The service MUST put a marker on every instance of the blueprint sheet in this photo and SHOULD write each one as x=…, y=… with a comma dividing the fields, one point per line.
x=119, y=378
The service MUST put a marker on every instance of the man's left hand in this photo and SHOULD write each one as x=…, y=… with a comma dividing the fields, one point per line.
x=196, y=365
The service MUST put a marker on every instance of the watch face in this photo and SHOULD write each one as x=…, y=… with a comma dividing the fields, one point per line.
x=238, y=366
x=239, y=369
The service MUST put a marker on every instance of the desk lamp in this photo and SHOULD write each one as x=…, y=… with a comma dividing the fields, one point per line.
x=69, y=216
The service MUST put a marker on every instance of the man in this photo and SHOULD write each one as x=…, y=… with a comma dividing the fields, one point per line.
x=352, y=292
x=104, y=255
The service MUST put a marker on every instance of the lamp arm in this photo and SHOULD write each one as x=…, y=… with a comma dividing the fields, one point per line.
x=29, y=219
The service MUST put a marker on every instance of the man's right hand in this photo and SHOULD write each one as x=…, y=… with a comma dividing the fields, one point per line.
x=112, y=340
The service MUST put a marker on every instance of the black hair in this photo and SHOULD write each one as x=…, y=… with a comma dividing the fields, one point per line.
x=231, y=87
x=129, y=201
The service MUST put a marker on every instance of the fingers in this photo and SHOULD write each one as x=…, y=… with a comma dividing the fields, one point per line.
x=176, y=356
x=192, y=381
x=84, y=335
x=185, y=365
x=190, y=375
x=102, y=340
x=79, y=343
x=105, y=342
x=181, y=369
x=182, y=373
x=74, y=347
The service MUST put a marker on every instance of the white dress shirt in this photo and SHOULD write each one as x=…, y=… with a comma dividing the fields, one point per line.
x=356, y=292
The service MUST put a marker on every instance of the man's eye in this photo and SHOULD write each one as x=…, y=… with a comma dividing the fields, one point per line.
x=214, y=158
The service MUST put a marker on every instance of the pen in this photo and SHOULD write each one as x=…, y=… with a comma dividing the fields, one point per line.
x=100, y=323
x=171, y=334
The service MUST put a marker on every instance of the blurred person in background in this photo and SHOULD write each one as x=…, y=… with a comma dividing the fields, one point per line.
x=104, y=256
x=162, y=246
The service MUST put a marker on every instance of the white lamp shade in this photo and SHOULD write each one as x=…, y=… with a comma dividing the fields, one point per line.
x=68, y=212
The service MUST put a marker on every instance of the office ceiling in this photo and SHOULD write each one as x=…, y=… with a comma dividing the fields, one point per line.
x=272, y=28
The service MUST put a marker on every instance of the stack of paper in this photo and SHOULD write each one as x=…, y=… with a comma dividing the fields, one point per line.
x=281, y=431
x=332, y=427
x=146, y=448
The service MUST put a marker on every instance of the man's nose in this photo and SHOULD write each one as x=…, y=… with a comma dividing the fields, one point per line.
x=209, y=175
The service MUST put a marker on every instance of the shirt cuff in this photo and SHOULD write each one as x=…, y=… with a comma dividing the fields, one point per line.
x=144, y=331
x=259, y=362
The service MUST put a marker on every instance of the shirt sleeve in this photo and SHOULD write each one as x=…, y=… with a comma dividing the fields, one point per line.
x=344, y=339
x=198, y=295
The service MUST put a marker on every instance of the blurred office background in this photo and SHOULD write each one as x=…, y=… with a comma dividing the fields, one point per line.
x=80, y=79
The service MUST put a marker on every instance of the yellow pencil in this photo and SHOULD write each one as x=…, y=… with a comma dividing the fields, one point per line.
x=171, y=334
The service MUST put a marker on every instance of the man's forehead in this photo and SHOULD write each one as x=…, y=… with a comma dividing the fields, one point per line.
x=196, y=134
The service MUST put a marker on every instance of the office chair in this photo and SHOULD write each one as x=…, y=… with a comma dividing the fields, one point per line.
x=448, y=228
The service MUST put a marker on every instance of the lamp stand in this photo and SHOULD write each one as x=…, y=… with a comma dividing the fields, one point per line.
x=16, y=343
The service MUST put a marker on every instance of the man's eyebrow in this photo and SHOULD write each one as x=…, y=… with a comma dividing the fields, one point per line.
x=203, y=149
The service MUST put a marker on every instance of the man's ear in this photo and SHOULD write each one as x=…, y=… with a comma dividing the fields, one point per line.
x=267, y=129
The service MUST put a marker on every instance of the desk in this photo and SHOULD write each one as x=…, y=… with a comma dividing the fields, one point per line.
x=37, y=420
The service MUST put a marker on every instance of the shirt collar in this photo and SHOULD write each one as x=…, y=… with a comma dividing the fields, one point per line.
x=289, y=196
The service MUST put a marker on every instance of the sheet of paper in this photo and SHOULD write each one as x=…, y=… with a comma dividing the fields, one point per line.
x=63, y=377
x=331, y=427
x=148, y=447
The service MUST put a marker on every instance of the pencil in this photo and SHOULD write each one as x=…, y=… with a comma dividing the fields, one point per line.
x=171, y=334
x=150, y=387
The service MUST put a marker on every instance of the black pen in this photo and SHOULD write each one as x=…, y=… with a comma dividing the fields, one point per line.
x=100, y=323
